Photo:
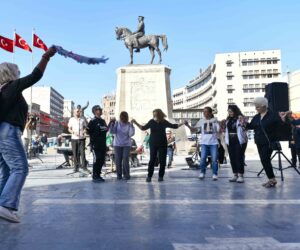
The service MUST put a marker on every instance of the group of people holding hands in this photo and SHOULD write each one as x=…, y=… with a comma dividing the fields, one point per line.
x=234, y=127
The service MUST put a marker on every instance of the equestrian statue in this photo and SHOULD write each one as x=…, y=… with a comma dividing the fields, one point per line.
x=138, y=40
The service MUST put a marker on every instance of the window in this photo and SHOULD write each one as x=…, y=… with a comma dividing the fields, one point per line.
x=229, y=63
x=269, y=75
x=230, y=101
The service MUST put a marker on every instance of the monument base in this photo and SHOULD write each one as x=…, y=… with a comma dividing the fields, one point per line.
x=140, y=90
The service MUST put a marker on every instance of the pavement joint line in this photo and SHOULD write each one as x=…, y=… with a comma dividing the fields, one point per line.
x=165, y=202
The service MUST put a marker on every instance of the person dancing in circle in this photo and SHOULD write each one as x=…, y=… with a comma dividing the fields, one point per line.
x=158, y=141
x=13, y=116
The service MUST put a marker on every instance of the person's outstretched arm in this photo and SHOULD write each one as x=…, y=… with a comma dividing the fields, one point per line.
x=145, y=127
x=27, y=81
x=174, y=126
x=193, y=130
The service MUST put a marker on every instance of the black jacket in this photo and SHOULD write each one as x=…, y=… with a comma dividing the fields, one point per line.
x=158, y=136
x=265, y=130
x=97, y=129
x=13, y=107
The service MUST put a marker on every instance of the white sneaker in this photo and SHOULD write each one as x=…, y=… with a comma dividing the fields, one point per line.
x=215, y=177
x=201, y=176
x=240, y=179
x=233, y=179
x=8, y=215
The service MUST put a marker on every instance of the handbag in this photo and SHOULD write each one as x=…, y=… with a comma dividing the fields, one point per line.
x=272, y=145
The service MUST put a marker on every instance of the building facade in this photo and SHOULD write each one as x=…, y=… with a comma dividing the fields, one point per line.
x=108, y=105
x=51, y=102
x=233, y=78
x=293, y=78
x=192, y=116
x=68, y=108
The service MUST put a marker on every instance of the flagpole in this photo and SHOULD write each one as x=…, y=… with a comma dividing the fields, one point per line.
x=13, y=53
x=33, y=31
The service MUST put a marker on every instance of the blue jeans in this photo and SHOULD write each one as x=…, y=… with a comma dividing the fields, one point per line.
x=211, y=150
x=122, y=161
x=170, y=154
x=13, y=165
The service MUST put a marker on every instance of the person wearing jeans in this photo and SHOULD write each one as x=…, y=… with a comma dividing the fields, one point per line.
x=171, y=147
x=212, y=151
x=209, y=129
x=13, y=116
x=122, y=130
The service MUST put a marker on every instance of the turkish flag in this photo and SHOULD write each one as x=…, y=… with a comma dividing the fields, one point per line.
x=21, y=43
x=37, y=42
x=7, y=44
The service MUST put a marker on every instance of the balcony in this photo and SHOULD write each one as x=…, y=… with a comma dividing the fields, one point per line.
x=231, y=88
x=213, y=68
x=214, y=81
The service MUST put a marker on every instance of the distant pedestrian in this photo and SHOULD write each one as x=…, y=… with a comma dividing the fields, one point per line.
x=13, y=116
x=171, y=147
x=44, y=141
x=146, y=142
x=158, y=141
x=122, y=130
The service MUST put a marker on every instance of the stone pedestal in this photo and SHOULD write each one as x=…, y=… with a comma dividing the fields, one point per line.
x=140, y=90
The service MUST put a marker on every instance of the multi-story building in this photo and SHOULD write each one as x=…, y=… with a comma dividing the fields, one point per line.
x=108, y=106
x=192, y=116
x=293, y=78
x=233, y=78
x=68, y=108
x=51, y=102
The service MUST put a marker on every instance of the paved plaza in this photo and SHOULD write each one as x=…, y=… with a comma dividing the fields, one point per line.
x=62, y=212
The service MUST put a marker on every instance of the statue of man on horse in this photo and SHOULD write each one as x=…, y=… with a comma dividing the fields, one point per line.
x=138, y=40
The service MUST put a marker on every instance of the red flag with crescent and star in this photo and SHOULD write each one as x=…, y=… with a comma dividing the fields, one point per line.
x=37, y=42
x=7, y=44
x=21, y=43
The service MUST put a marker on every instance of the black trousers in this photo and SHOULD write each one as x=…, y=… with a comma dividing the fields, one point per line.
x=295, y=153
x=78, y=148
x=161, y=151
x=265, y=153
x=236, y=154
x=99, y=153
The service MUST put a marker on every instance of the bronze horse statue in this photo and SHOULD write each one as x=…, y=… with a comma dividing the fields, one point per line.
x=150, y=41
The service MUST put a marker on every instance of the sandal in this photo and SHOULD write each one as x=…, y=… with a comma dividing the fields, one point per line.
x=270, y=184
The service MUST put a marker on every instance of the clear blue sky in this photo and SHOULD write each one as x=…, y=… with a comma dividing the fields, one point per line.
x=196, y=30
